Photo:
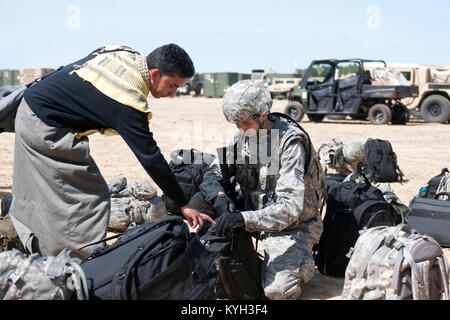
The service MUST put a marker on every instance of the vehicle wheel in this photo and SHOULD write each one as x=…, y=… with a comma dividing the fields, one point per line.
x=316, y=117
x=295, y=110
x=380, y=114
x=400, y=114
x=336, y=116
x=435, y=108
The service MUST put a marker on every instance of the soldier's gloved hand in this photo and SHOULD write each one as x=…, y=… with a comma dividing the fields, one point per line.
x=228, y=220
x=223, y=204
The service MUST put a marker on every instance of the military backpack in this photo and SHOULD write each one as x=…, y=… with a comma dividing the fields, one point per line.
x=350, y=207
x=10, y=98
x=433, y=184
x=34, y=277
x=396, y=263
x=382, y=161
x=239, y=265
x=188, y=166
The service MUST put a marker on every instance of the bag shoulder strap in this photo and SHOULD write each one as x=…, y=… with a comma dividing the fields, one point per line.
x=309, y=148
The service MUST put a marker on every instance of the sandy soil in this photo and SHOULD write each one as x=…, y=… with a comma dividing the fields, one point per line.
x=422, y=149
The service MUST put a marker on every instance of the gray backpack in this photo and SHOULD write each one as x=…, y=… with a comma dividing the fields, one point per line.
x=33, y=277
x=10, y=98
x=396, y=263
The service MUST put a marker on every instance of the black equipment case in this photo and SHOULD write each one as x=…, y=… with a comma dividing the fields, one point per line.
x=431, y=217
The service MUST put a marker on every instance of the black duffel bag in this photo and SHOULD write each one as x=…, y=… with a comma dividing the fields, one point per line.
x=157, y=260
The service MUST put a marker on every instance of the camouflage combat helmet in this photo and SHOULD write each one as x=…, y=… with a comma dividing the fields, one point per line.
x=245, y=99
x=353, y=151
x=331, y=154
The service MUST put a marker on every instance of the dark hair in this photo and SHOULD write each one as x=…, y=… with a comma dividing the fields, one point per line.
x=171, y=59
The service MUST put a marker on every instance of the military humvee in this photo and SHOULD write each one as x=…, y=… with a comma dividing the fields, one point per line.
x=258, y=75
x=337, y=88
x=282, y=87
x=433, y=102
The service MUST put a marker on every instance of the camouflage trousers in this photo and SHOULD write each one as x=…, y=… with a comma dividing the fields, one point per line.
x=288, y=261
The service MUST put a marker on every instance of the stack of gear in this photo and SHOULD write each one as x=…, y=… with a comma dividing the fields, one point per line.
x=389, y=76
x=440, y=75
x=351, y=206
x=135, y=204
x=337, y=157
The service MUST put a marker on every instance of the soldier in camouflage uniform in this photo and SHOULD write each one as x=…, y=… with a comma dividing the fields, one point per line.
x=281, y=201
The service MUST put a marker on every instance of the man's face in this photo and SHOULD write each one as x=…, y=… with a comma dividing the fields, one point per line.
x=164, y=86
x=249, y=127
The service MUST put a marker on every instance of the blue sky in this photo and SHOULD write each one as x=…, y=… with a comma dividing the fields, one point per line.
x=227, y=36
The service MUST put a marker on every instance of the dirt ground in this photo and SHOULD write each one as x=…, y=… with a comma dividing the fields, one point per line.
x=422, y=149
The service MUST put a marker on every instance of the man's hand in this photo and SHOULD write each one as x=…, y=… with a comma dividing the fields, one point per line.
x=194, y=217
x=228, y=220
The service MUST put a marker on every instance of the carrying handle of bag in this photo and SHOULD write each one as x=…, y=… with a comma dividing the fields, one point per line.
x=366, y=180
x=401, y=226
x=373, y=218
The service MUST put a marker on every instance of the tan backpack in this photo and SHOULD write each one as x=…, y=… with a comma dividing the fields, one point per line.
x=396, y=263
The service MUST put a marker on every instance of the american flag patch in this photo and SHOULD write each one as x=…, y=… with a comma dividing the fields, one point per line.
x=299, y=175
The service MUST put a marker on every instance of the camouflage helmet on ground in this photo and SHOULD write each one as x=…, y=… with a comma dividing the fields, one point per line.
x=245, y=99
x=353, y=151
x=331, y=154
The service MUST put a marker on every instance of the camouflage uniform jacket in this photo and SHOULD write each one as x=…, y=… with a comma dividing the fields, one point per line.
x=278, y=195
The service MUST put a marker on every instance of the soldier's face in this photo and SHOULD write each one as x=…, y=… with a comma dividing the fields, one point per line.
x=248, y=127
x=164, y=86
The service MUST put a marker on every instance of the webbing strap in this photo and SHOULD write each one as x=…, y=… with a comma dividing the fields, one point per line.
x=443, y=268
x=362, y=268
x=418, y=284
x=80, y=282
x=396, y=274
x=425, y=270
